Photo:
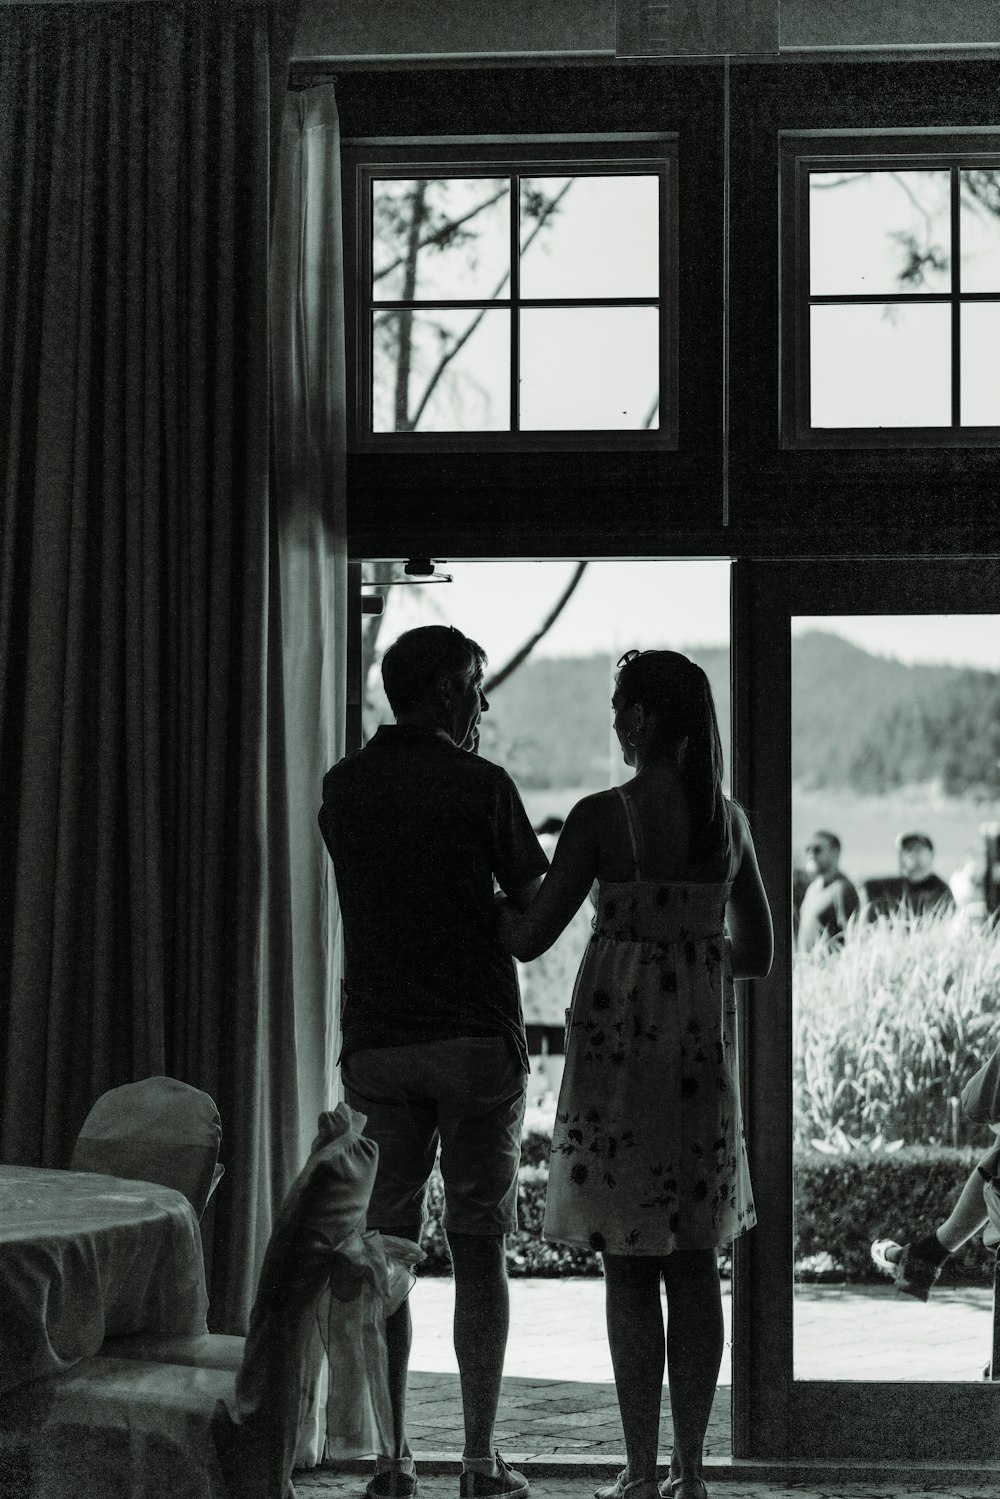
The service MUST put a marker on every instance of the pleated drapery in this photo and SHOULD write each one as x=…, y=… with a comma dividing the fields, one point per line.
x=309, y=400
x=149, y=783
x=310, y=443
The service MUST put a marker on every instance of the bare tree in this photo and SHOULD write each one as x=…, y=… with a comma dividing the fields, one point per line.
x=390, y=574
x=404, y=228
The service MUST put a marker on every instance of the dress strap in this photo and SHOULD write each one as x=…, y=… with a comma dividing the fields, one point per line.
x=630, y=821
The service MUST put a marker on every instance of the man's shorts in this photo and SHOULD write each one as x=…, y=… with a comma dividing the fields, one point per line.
x=467, y=1092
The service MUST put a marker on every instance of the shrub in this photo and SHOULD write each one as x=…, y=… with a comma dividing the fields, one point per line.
x=842, y=1203
x=888, y=1029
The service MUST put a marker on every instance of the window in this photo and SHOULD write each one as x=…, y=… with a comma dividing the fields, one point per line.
x=513, y=300
x=891, y=285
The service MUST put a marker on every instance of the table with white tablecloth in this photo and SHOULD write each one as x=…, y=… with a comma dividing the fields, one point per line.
x=84, y=1257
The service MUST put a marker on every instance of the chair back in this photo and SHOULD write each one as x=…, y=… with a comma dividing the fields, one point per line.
x=322, y=1215
x=158, y=1130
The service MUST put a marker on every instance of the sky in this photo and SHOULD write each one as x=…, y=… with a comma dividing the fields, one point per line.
x=675, y=603
x=617, y=605
x=949, y=639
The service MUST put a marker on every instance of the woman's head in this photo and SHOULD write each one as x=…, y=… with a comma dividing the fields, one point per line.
x=664, y=710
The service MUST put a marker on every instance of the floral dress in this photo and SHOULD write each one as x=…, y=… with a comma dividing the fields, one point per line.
x=648, y=1152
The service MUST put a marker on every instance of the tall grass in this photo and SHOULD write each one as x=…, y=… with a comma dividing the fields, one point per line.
x=888, y=1029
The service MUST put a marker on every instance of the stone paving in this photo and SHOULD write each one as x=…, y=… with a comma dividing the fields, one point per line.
x=558, y=1409
x=328, y=1485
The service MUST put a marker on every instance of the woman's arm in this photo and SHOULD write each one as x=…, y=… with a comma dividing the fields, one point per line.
x=563, y=891
x=748, y=915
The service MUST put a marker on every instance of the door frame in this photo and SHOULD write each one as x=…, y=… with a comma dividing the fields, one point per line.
x=776, y=1417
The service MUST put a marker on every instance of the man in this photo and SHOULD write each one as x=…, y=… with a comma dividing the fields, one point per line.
x=915, y=889
x=433, y=1037
x=923, y=890
x=830, y=900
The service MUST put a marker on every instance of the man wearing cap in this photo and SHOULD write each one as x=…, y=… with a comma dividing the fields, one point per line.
x=923, y=890
x=830, y=899
x=434, y=1053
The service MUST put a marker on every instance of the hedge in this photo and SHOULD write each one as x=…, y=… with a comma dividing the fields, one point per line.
x=842, y=1203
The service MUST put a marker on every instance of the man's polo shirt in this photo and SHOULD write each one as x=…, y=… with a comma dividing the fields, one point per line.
x=418, y=829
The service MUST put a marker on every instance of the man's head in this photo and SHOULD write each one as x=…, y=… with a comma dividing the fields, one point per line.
x=433, y=675
x=822, y=854
x=916, y=856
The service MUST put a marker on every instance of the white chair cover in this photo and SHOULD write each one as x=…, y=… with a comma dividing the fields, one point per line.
x=158, y=1130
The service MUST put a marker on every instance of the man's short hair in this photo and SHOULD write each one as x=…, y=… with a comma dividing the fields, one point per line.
x=831, y=838
x=413, y=662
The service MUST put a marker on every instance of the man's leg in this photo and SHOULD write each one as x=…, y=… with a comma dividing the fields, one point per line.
x=482, y=1321
x=377, y=1083
x=398, y=1341
x=480, y=1111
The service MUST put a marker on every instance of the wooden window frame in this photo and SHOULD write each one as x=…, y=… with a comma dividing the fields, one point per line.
x=622, y=154
x=865, y=150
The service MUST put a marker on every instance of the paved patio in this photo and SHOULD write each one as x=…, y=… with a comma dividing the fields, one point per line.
x=558, y=1407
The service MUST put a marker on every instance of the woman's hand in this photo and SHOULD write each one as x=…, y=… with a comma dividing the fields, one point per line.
x=509, y=921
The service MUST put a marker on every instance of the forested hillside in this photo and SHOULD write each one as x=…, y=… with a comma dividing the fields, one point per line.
x=874, y=724
x=866, y=722
x=550, y=723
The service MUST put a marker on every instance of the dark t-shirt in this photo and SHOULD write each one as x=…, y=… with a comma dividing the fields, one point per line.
x=930, y=894
x=417, y=830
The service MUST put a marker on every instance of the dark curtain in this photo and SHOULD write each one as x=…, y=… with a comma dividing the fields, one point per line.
x=143, y=876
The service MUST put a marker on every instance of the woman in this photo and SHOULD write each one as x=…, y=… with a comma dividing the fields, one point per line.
x=648, y=1162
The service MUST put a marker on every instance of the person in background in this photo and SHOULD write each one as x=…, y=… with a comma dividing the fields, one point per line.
x=923, y=890
x=648, y=1163
x=916, y=890
x=419, y=827
x=830, y=899
x=916, y=1267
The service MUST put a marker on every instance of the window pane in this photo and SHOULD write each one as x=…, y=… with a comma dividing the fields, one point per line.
x=980, y=364
x=440, y=239
x=980, y=228
x=881, y=365
x=589, y=236
x=590, y=368
x=441, y=371
x=889, y=736
x=877, y=232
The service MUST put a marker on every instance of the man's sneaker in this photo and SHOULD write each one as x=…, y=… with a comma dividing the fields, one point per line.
x=392, y=1484
x=505, y=1481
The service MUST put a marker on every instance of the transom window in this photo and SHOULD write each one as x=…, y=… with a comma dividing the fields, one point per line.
x=891, y=282
x=511, y=302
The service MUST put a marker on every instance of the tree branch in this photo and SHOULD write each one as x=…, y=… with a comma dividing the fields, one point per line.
x=529, y=645
x=442, y=233
x=446, y=359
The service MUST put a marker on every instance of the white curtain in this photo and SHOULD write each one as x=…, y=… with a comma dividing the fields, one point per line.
x=309, y=406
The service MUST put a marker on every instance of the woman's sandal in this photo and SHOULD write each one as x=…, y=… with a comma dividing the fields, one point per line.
x=636, y=1488
x=672, y=1485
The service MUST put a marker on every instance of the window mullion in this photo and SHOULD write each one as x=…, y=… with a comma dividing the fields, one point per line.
x=515, y=299
x=956, y=298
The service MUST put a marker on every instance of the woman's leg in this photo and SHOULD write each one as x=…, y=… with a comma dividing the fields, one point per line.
x=968, y=1215
x=695, y=1338
x=635, y=1335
